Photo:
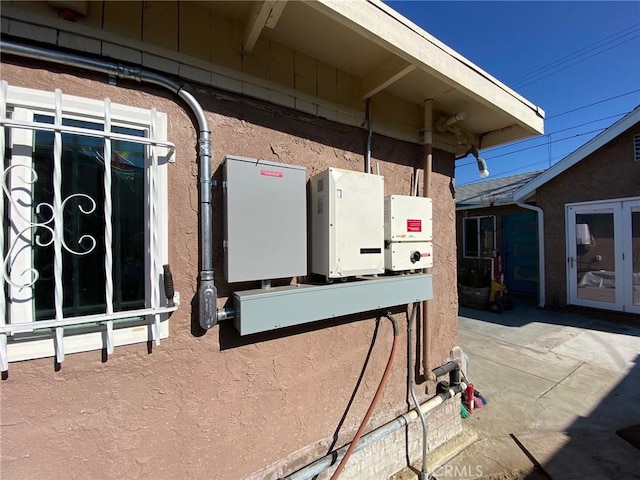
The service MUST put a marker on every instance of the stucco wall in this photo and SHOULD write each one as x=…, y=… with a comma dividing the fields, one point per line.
x=219, y=406
x=609, y=172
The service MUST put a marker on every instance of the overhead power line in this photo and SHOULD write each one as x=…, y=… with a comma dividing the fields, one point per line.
x=573, y=58
x=493, y=149
x=545, y=144
x=576, y=62
x=592, y=104
x=572, y=55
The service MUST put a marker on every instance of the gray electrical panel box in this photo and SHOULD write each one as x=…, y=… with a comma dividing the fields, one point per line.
x=265, y=220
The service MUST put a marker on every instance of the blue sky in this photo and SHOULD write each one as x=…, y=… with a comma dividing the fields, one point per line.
x=559, y=55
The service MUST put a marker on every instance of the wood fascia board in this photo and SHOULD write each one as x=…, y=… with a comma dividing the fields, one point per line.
x=387, y=28
x=385, y=74
x=504, y=135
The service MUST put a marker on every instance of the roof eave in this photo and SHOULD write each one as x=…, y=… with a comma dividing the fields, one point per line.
x=386, y=27
x=528, y=190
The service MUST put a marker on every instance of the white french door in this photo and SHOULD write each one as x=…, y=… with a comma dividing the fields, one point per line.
x=603, y=262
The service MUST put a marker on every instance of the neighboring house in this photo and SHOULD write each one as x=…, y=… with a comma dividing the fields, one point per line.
x=493, y=232
x=591, y=208
x=143, y=101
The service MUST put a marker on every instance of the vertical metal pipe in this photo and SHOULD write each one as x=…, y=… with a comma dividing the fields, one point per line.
x=424, y=473
x=367, y=156
x=426, y=191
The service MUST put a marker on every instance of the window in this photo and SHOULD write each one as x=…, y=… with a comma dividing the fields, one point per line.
x=636, y=148
x=84, y=237
x=479, y=236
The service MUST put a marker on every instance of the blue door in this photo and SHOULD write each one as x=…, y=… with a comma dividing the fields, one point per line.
x=521, y=252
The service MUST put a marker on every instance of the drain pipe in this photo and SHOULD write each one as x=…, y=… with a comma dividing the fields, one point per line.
x=541, y=274
x=207, y=292
x=426, y=192
x=316, y=468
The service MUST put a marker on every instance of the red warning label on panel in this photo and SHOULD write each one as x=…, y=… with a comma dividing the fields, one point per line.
x=271, y=173
x=414, y=225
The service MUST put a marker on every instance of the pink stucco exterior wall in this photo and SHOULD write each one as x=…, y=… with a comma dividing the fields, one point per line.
x=219, y=406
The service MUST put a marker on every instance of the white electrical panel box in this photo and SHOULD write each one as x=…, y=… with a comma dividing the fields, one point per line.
x=407, y=219
x=408, y=255
x=347, y=224
x=408, y=231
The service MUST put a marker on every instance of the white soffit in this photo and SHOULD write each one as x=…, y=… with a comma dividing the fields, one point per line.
x=440, y=71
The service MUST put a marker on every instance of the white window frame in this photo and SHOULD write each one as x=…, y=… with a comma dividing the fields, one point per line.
x=21, y=337
x=636, y=147
x=464, y=236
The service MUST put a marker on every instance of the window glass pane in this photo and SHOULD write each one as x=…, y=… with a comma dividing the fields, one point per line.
x=82, y=195
x=470, y=237
x=487, y=228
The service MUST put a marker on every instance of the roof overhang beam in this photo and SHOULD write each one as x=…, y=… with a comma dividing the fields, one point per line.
x=262, y=14
x=385, y=74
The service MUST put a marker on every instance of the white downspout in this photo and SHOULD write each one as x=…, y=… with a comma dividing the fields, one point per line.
x=541, y=275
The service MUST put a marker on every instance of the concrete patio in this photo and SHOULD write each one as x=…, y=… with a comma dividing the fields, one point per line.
x=559, y=385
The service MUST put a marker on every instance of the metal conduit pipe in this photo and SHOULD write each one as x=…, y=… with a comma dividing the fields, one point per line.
x=227, y=313
x=310, y=471
x=426, y=191
x=367, y=155
x=207, y=292
x=424, y=473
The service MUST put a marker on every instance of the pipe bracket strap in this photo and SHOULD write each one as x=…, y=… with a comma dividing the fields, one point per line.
x=204, y=147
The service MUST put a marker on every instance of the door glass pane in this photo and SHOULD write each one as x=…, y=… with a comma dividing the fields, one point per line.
x=471, y=237
x=487, y=234
x=83, y=216
x=635, y=249
x=595, y=256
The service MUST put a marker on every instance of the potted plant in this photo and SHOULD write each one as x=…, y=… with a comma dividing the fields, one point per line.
x=474, y=286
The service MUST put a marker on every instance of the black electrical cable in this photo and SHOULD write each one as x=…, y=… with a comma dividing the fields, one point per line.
x=522, y=85
x=572, y=55
x=493, y=149
x=594, y=103
x=534, y=146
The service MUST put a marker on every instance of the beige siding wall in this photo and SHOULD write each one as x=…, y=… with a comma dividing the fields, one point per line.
x=205, y=40
x=219, y=406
